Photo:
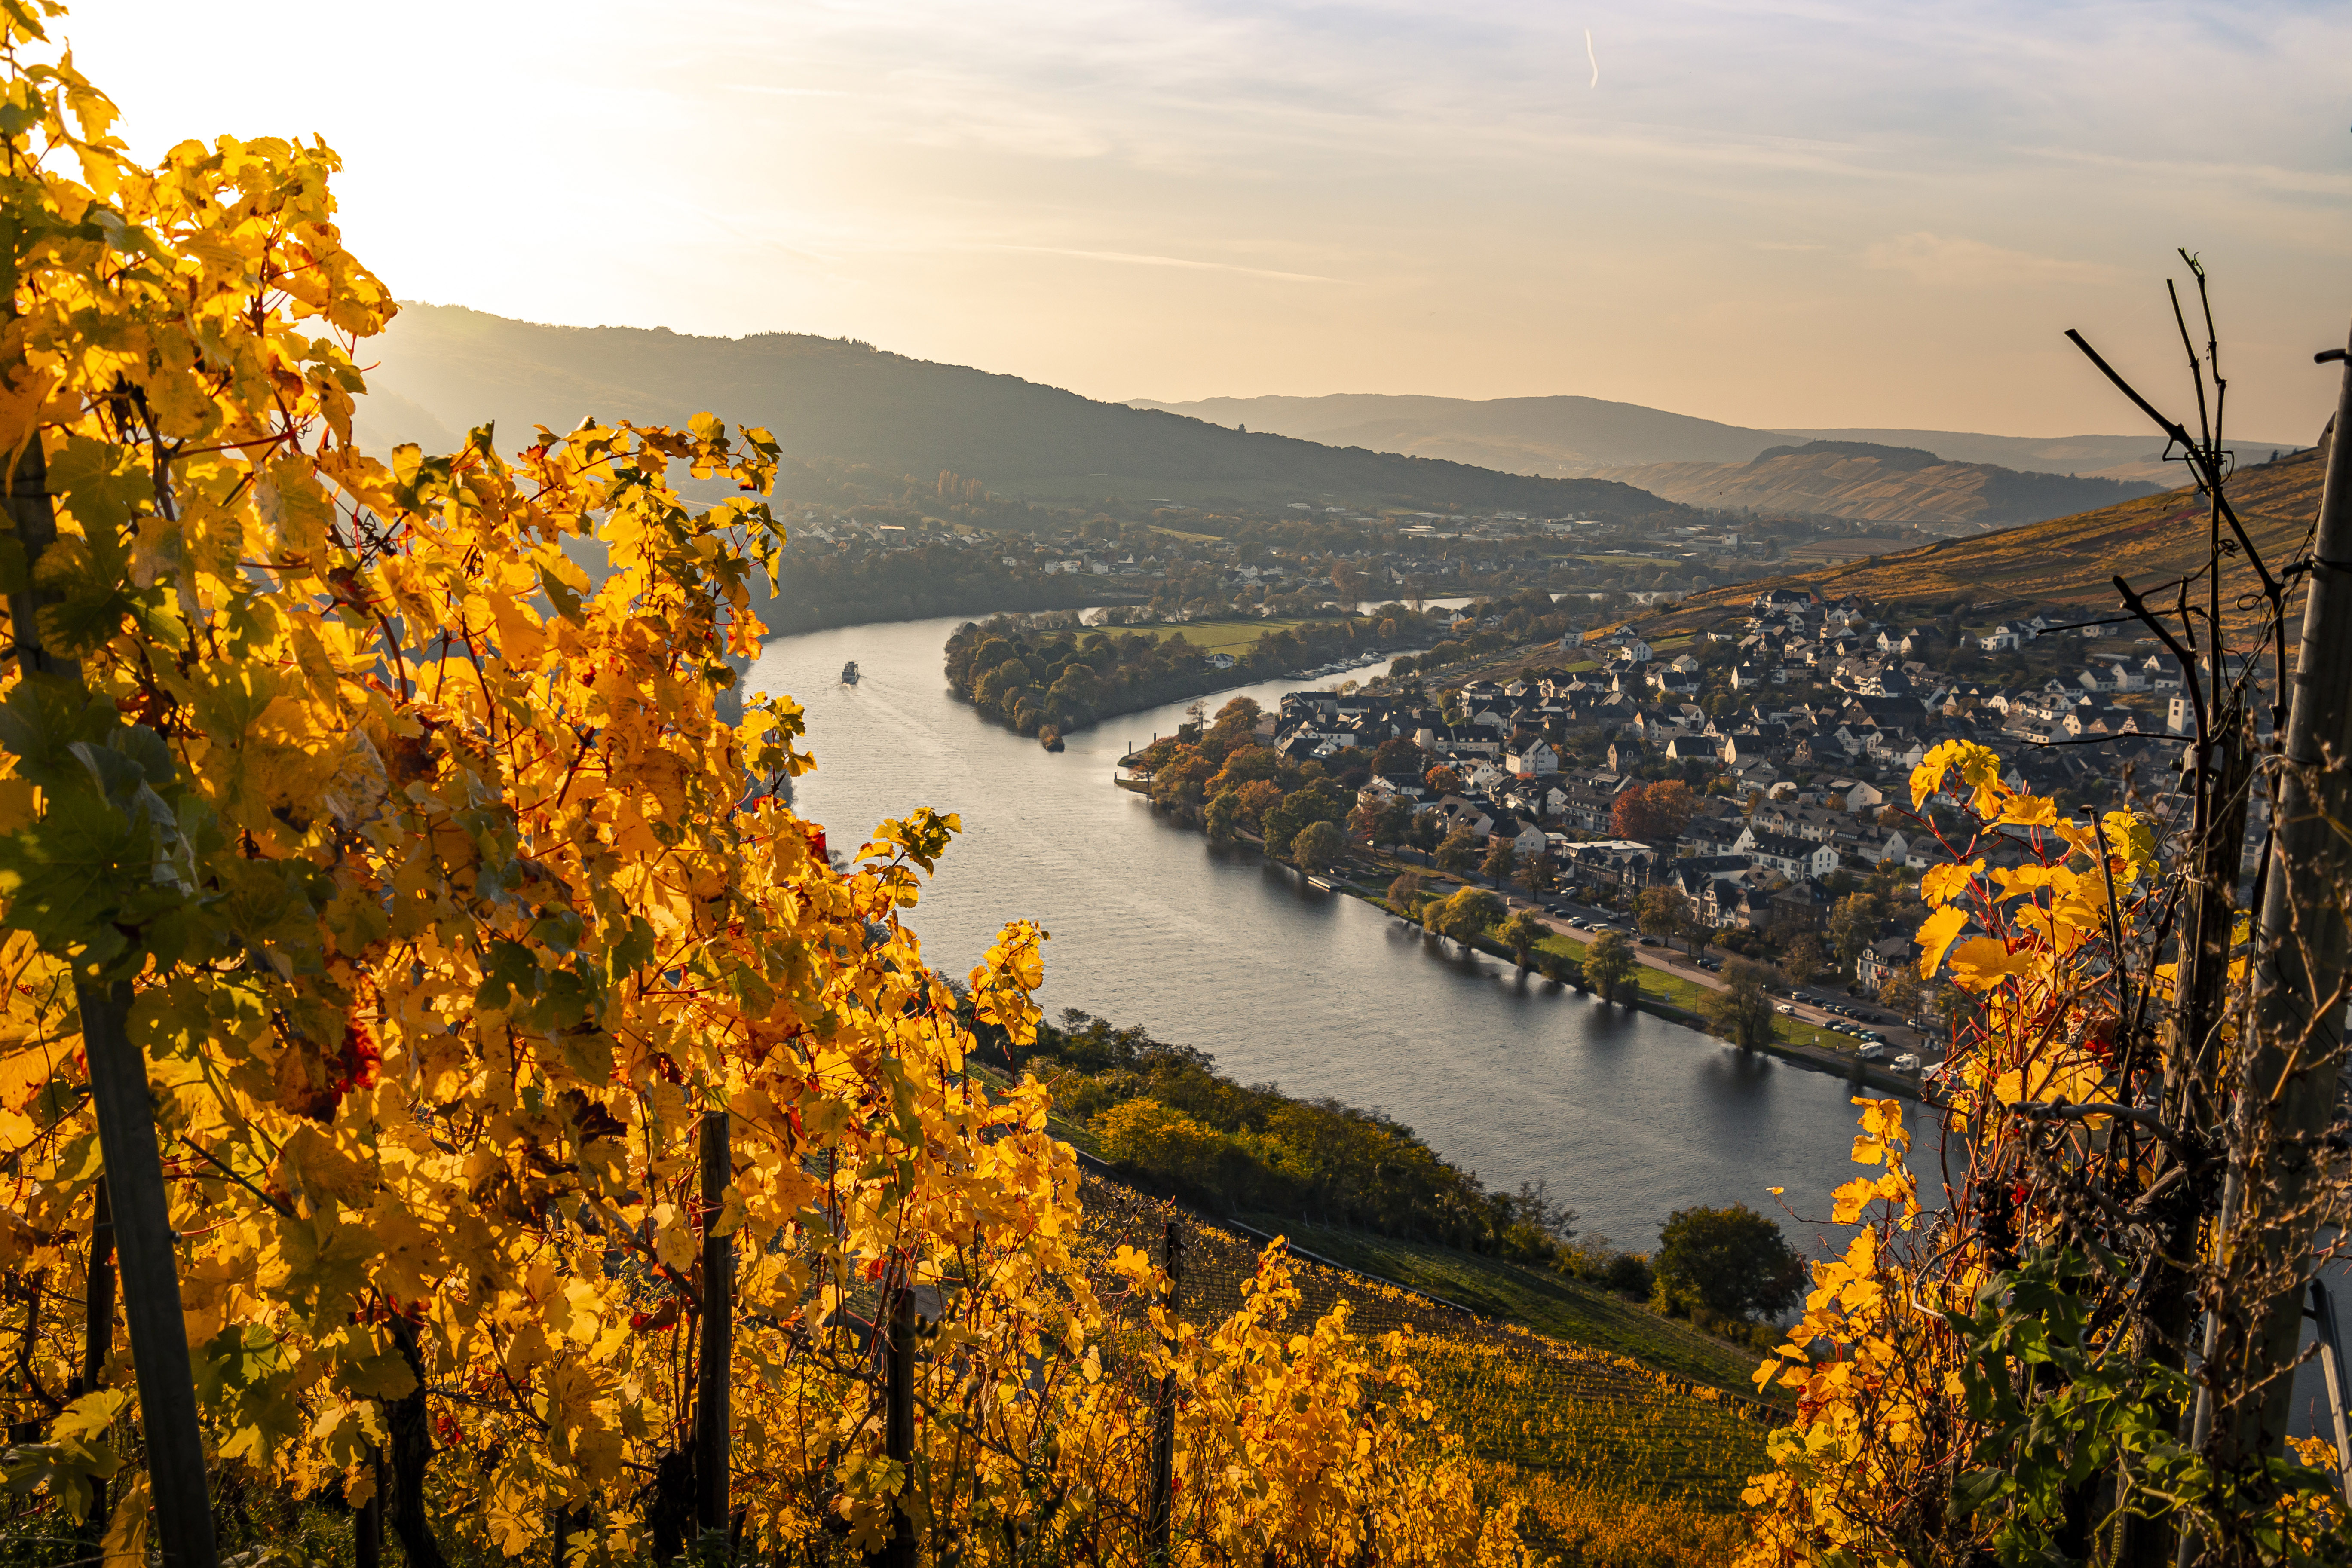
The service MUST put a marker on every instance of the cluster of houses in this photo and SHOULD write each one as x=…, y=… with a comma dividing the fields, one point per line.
x=1790, y=782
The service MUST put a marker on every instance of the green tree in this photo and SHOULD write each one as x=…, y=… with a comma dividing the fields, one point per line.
x=1854, y=925
x=1522, y=933
x=1394, y=821
x=1317, y=802
x=1223, y=817
x=1741, y=1012
x=1902, y=992
x=1732, y=1262
x=1540, y=873
x=1611, y=970
x=1316, y=846
x=1423, y=831
x=1664, y=912
x=1399, y=758
x=1459, y=851
x=1502, y=862
x=1802, y=958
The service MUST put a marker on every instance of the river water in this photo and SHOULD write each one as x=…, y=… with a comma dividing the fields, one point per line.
x=1626, y=1116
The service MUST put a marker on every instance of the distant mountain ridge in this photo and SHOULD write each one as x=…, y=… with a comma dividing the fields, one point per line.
x=447, y=368
x=2067, y=562
x=1868, y=482
x=1568, y=436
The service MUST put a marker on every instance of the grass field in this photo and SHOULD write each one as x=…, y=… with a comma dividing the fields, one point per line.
x=1188, y=538
x=1227, y=636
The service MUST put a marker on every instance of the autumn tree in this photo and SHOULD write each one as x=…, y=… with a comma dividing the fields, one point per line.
x=1854, y=925
x=1398, y=757
x=1501, y=862
x=1458, y=851
x=1443, y=780
x=1654, y=813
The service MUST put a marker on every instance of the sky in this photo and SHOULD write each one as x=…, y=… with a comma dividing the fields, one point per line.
x=1802, y=215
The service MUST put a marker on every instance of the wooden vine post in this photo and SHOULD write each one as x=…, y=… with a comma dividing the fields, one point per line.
x=712, y=1411
x=898, y=1429
x=140, y=1207
x=1163, y=1517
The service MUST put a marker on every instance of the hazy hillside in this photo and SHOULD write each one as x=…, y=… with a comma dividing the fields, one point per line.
x=2089, y=457
x=2065, y=563
x=1561, y=437
x=1565, y=437
x=1879, y=484
x=826, y=397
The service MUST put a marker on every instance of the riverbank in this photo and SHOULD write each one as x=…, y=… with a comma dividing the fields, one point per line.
x=1665, y=990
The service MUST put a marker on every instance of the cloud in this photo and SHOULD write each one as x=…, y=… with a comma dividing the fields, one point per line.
x=1949, y=262
x=1131, y=258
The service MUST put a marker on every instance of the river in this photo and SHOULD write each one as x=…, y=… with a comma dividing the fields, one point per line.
x=1626, y=1116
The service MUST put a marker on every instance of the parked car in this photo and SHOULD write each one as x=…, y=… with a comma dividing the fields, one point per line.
x=1649, y=942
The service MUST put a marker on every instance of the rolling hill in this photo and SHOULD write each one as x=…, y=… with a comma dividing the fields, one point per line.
x=1565, y=437
x=2064, y=563
x=448, y=368
x=1868, y=482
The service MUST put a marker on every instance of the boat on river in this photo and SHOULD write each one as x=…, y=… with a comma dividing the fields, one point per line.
x=849, y=673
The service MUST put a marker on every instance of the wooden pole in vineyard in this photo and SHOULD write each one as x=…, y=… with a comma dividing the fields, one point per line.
x=141, y=1207
x=899, y=1430
x=2288, y=1085
x=367, y=1526
x=1162, y=1516
x=713, y=1410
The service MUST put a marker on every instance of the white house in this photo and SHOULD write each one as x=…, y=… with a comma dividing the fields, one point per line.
x=1791, y=857
x=1535, y=757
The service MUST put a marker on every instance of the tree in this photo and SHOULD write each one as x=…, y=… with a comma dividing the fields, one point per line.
x=1316, y=802
x=1443, y=780
x=1237, y=720
x=1854, y=925
x=1182, y=785
x=1733, y=1261
x=1469, y=913
x=1399, y=758
x=1223, y=817
x=1741, y=1012
x=1802, y=958
x=1540, y=873
x=1654, y=813
x=1394, y=821
x=1459, y=850
x=1406, y=893
x=1611, y=970
x=1522, y=933
x=1425, y=831
x=1258, y=797
x=1663, y=912
x=1901, y=991
x=1501, y=863
x=1316, y=846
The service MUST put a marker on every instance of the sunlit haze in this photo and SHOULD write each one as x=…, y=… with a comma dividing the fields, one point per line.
x=1786, y=214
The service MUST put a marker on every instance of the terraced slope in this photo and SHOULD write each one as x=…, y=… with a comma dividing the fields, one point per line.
x=1878, y=484
x=2066, y=563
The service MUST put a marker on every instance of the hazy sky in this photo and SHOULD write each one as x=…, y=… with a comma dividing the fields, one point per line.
x=1877, y=214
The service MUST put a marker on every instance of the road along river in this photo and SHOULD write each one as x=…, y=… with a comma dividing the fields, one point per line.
x=1627, y=1116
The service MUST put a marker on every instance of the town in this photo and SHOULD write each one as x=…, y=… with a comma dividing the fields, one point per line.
x=1739, y=786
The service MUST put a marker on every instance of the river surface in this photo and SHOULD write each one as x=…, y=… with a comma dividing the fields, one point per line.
x=1626, y=1116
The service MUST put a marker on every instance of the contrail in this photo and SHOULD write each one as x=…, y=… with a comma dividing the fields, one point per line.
x=1593, y=58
